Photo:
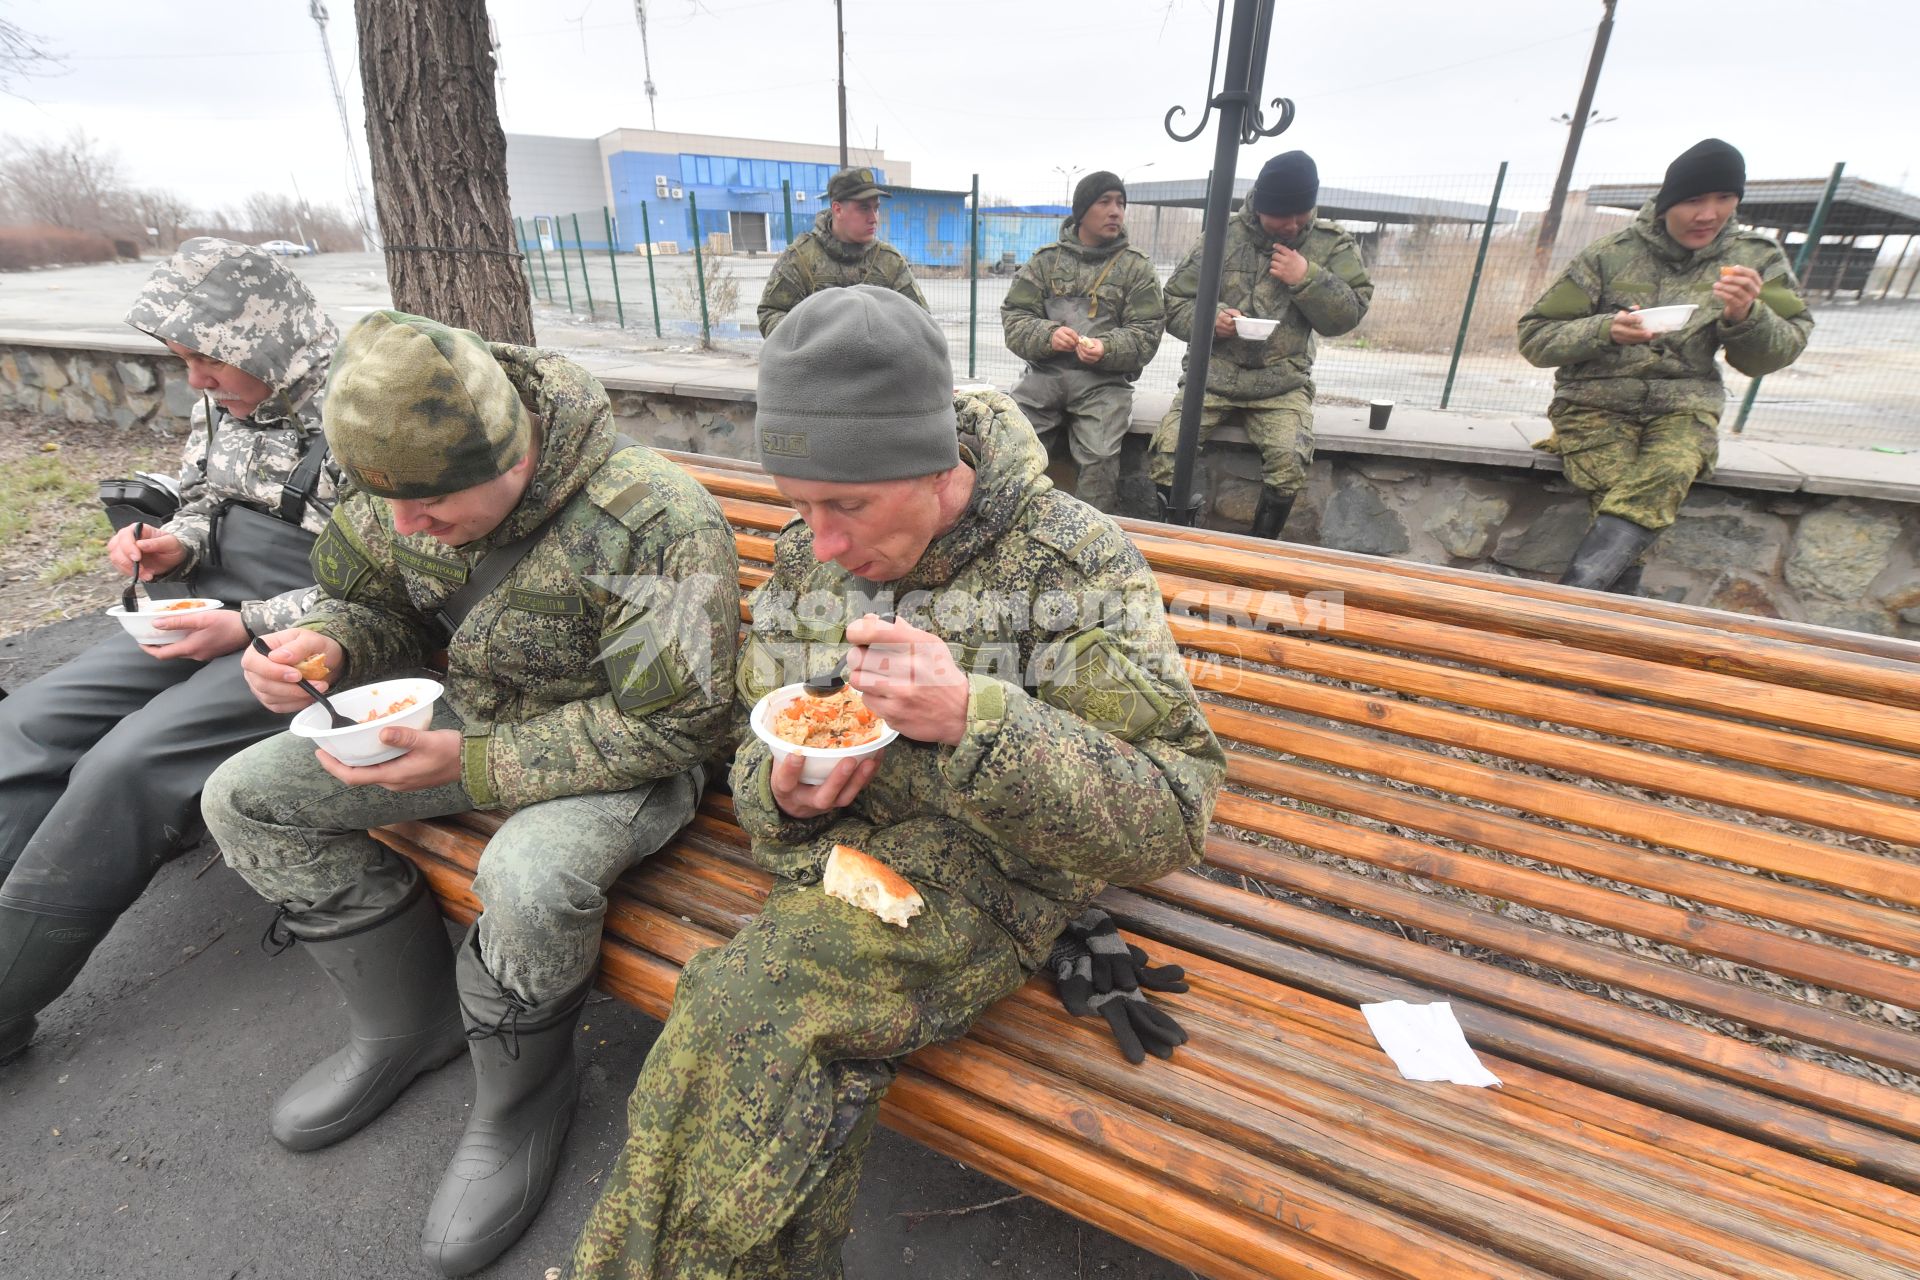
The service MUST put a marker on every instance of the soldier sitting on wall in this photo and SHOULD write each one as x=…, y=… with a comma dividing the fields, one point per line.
x=1636, y=411
x=1284, y=265
x=585, y=592
x=1086, y=315
x=844, y=248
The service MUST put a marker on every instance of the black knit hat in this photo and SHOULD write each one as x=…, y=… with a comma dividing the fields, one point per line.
x=1092, y=187
x=1288, y=183
x=1702, y=169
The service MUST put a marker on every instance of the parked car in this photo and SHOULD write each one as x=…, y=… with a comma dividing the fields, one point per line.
x=286, y=248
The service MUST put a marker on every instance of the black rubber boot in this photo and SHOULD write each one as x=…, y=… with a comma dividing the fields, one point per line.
x=1609, y=548
x=1628, y=583
x=525, y=1089
x=394, y=967
x=1271, y=515
x=1163, y=494
x=40, y=955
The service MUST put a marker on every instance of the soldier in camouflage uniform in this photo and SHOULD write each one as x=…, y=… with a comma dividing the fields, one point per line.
x=842, y=249
x=1086, y=316
x=1636, y=415
x=103, y=759
x=584, y=690
x=1050, y=743
x=1284, y=264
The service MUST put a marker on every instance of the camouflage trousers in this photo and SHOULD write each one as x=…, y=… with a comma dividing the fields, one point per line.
x=1282, y=426
x=750, y=1119
x=1638, y=469
x=298, y=835
x=1096, y=415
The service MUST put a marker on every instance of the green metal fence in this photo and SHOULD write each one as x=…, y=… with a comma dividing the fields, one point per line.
x=1452, y=260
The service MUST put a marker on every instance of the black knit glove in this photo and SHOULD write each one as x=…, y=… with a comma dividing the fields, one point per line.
x=1095, y=970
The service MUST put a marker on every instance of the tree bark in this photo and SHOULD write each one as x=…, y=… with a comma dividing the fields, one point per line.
x=440, y=165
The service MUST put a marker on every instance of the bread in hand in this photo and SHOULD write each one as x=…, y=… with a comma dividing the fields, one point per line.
x=312, y=668
x=871, y=885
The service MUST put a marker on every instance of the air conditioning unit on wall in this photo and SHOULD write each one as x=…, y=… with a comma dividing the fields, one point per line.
x=674, y=193
x=801, y=196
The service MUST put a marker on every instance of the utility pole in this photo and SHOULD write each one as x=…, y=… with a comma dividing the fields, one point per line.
x=1576, y=129
x=646, y=62
x=362, y=203
x=840, y=30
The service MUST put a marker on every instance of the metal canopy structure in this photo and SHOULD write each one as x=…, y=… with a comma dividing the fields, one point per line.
x=1860, y=208
x=1340, y=203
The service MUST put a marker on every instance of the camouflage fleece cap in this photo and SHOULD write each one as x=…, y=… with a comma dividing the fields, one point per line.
x=236, y=304
x=417, y=409
x=854, y=184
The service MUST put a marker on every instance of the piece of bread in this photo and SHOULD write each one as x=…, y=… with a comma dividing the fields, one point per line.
x=871, y=885
x=312, y=668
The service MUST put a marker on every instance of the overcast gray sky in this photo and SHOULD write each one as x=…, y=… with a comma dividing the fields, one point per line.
x=219, y=98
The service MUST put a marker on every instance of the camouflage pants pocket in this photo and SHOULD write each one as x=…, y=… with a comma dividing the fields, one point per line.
x=1285, y=438
x=544, y=877
x=1673, y=451
x=1166, y=437
x=297, y=834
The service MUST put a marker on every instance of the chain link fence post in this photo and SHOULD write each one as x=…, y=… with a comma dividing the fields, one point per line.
x=699, y=271
x=1473, y=285
x=613, y=265
x=560, y=243
x=973, y=282
x=653, y=287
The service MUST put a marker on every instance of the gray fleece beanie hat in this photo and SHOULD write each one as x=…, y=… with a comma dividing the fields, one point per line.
x=856, y=386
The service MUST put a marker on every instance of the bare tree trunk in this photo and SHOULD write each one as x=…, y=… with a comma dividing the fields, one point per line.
x=440, y=165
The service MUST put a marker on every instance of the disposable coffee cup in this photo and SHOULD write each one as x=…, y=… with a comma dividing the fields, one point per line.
x=1377, y=411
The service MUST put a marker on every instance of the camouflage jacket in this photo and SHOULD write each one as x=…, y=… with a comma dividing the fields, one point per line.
x=1330, y=301
x=235, y=304
x=1086, y=758
x=1569, y=328
x=1115, y=280
x=818, y=260
x=602, y=660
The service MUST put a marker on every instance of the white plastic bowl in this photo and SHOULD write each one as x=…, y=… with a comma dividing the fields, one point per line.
x=140, y=625
x=1256, y=330
x=360, y=744
x=1665, y=319
x=816, y=762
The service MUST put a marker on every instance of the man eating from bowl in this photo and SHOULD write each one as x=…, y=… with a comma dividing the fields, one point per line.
x=1045, y=750
x=102, y=760
x=1636, y=413
x=584, y=591
x=1305, y=275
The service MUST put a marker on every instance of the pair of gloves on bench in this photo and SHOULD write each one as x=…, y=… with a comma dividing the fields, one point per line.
x=1096, y=970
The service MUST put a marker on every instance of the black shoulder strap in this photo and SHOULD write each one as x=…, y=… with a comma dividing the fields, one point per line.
x=496, y=565
x=297, y=492
x=485, y=576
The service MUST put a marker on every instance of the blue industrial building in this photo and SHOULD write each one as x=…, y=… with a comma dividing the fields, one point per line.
x=647, y=184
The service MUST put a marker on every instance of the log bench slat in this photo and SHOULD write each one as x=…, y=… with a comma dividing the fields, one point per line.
x=1412, y=799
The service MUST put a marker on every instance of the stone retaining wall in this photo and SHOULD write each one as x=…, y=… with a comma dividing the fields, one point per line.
x=145, y=387
x=1841, y=561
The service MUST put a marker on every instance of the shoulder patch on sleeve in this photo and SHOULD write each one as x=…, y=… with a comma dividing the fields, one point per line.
x=624, y=490
x=1076, y=532
x=340, y=566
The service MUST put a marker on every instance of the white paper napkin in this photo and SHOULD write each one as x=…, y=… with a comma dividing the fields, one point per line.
x=1426, y=1043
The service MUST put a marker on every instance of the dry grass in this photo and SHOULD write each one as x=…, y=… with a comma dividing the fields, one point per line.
x=41, y=246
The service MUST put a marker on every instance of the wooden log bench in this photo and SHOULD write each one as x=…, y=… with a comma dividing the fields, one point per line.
x=1661, y=861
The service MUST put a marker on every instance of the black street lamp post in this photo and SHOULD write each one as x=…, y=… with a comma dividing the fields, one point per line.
x=1240, y=124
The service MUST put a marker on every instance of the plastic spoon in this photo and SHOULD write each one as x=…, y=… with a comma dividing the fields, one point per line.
x=129, y=602
x=339, y=721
